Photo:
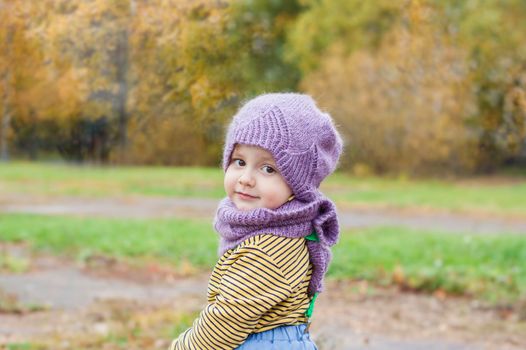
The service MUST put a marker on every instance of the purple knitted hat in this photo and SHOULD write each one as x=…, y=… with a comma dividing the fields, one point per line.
x=302, y=139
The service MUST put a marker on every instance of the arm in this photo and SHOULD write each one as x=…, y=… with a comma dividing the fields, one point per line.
x=251, y=286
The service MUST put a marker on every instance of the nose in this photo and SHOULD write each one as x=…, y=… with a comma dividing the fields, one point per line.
x=247, y=178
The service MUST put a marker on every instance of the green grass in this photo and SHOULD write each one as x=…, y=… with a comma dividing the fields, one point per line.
x=501, y=197
x=24, y=346
x=170, y=240
x=491, y=266
x=95, y=181
x=484, y=195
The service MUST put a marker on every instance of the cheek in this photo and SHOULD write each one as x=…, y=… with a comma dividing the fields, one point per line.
x=278, y=193
x=229, y=182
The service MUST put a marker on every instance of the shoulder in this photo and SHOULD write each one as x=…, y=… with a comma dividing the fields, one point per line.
x=272, y=245
x=289, y=255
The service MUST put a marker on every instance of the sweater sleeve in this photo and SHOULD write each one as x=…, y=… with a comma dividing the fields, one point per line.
x=250, y=286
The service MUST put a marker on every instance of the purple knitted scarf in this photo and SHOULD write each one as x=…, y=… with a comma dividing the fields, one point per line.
x=293, y=219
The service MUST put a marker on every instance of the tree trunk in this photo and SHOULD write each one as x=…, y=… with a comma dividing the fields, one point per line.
x=6, y=123
x=122, y=63
x=6, y=113
x=122, y=94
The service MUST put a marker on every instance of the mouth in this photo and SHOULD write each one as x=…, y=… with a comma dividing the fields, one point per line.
x=245, y=195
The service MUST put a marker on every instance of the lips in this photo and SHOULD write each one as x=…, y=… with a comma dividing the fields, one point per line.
x=246, y=195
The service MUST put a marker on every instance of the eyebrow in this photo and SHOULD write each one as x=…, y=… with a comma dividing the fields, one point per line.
x=266, y=159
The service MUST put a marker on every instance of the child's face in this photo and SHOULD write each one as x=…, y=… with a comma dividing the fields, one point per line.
x=253, y=181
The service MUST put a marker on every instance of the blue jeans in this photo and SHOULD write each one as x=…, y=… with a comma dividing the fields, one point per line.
x=283, y=337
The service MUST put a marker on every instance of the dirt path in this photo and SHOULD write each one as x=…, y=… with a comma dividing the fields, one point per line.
x=347, y=316
x=148, y=207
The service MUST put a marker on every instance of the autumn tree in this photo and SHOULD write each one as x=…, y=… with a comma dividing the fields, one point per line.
x=404, y=106
x=483, y=39
x=511, y=135
x=208, y=57
x=353, y=24
x=32, y=93
x=493, y=34
x=91, y=39
x=13, y=65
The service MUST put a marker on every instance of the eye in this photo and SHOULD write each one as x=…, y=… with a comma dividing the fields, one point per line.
x=268, y=169
x=238, y=162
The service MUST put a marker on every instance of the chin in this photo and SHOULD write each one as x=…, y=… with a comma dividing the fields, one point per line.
x=244, y=206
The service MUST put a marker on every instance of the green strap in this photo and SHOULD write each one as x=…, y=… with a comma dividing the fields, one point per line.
x=308, y=313
x=312, y=237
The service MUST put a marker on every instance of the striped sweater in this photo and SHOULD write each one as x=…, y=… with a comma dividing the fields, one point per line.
x=259, y=285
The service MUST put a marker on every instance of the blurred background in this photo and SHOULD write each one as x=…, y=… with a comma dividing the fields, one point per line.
x=416, y=86
x=112, y=121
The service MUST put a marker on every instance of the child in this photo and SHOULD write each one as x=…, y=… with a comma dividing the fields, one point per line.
x=276, y=228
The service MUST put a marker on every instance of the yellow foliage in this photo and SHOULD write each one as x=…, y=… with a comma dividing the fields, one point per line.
x=35, y=92
x=165, y=140
x=404, y=106
x=410, y=82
